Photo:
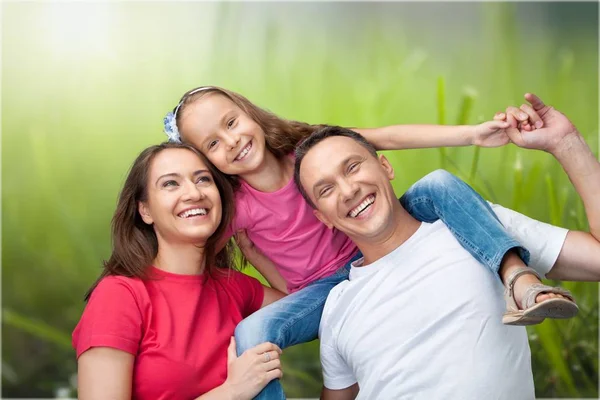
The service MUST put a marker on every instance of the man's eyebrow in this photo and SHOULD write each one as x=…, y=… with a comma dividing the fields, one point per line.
x=320, y=182
x=323, y=181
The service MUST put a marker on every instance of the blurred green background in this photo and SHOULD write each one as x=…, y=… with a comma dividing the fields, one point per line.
x=85, y=87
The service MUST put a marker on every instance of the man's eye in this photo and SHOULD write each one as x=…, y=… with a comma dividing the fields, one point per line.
x=353, y=167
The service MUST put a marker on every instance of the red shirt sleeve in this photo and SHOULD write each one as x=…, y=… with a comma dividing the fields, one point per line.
x=249, y=292
x=111, y=318
x=255, y=293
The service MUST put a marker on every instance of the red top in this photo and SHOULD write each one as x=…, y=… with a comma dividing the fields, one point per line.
x=178, y=328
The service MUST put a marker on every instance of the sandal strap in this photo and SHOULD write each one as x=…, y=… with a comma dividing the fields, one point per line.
x=534, y=290
x=509, y=294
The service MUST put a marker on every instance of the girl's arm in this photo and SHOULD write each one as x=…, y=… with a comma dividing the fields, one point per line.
x=395, y=137
x=271, y=295
x=264, y=265
x=104, y=373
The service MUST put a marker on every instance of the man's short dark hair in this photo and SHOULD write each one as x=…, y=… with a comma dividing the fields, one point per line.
x=315, y=138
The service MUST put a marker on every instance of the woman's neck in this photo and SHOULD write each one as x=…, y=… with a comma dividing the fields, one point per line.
x=184, y=259
x=272, y=175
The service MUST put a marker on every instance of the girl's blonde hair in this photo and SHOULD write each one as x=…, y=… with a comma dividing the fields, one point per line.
x=281, y=135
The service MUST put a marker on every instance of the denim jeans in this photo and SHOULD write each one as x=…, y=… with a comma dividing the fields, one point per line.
x=439, y=195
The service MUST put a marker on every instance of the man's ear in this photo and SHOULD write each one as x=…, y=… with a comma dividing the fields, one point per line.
x=145, y=213
x=322, y=218
x=387, y=167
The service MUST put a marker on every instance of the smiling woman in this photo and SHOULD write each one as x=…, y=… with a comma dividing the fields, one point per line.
x=167, y=302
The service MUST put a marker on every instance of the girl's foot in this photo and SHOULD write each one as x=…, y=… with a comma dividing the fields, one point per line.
x=529, y=302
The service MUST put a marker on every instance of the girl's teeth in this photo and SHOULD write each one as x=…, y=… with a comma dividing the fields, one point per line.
x=244, y=152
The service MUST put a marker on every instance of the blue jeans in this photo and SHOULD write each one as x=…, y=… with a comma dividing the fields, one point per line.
x=439, y=195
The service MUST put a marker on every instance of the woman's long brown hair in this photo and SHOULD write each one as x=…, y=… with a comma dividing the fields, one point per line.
x=134, y=242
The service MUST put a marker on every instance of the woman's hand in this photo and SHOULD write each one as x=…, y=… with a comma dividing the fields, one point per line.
x=249, y=373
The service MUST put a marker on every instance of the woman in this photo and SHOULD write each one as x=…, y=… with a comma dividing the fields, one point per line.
x=159, y=322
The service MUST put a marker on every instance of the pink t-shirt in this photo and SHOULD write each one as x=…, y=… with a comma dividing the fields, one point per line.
x=178, y=328
x=282, y=225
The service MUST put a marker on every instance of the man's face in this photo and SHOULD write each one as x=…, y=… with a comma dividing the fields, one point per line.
x=350, y=187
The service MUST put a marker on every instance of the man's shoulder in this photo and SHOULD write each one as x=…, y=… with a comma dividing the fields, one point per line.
x=333, y=299
x=334, y=304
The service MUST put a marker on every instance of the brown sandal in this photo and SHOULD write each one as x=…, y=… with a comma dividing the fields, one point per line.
x=534, y=313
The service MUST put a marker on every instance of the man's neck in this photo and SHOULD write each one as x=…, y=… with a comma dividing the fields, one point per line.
x=273, y=174
x=401, y=229
x=184, y=259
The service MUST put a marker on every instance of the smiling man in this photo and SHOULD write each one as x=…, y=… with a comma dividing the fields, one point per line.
x=419, y=317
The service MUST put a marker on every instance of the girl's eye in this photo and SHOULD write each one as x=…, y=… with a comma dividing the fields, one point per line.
x=230, y=122
x=169, y=183
x=212, y=144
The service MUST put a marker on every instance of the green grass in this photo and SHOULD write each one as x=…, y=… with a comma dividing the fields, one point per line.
x=73, y=122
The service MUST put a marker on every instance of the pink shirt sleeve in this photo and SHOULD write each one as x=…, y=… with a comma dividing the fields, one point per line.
x=112, y=318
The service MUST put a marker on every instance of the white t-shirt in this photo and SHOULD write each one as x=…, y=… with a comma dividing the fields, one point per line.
x=425, y=321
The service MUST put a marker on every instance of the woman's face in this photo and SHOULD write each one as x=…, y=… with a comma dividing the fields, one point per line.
x=183, y=202
x=224, y=133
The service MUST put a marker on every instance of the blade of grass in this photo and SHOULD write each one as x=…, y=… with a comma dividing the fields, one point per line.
x=36, y=328
x=441, y=107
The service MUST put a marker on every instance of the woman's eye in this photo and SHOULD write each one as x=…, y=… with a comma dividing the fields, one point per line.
x=353, y=167
x=204, y=179
x=169, y=183
x=230, y=122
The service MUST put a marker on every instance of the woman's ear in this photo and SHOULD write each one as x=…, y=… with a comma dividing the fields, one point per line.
x=145, y=213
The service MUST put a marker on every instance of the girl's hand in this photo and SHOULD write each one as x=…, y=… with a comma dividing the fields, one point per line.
x=246, y=245
x=491, y=133
x=537, y=126
x=249, y=373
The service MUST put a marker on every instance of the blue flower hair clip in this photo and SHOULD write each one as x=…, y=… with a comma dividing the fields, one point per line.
x=171, y=128
x=170, y=121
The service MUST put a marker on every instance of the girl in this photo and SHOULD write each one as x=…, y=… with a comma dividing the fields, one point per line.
x=159, y=322
x=279, y=234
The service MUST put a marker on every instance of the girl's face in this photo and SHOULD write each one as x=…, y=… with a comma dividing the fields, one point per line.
x=224, y=133
x=183, y=203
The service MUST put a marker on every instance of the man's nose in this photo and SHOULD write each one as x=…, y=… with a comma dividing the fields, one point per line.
x=348, y=189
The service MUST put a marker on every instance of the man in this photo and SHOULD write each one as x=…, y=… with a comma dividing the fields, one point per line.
x=419, y=317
